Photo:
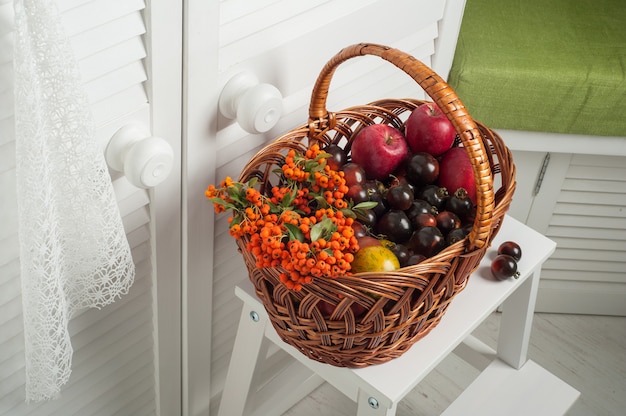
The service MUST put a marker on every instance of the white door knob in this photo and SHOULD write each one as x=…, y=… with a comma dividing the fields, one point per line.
x=256, y=107
x=145, y=160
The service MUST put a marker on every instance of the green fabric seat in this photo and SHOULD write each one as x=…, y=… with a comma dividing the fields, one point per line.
x=550, y=66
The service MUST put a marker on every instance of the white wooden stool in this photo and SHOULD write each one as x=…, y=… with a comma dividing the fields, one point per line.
x=523, y=387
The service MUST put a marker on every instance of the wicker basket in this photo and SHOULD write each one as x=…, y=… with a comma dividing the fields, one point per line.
x=411, y=300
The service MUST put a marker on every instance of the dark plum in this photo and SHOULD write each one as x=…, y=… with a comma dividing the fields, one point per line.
x=456, y=235
x=427, y=241
x=512, y=249
x=359, y=229
x=448, y=221
x=367, y=217
x=503, y=267
x=424, y=220
x=395, y=226
x=460, y=204
x=337, y=158
x=434, y=195
x=402, y=253
x=422, y=168
x=419, y=206
x=354, y=174
x=356, y=193
x=415, y=259
x=400, y=197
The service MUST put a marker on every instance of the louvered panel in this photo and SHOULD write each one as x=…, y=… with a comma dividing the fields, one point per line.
x=108, y=34
x=595, y=185
x=294, y=64
x=557, y=276
x=6, y=38
x=597, y=244
x=604, y=198
x=9, y=249
x=141, y=404
x=589, y=224
x=8, y=204
x=113, y=362
x=590, y=262
x=65, y=5
x=253, y=22
x=7, y=160
x=233, y=9
x=289, y=28
x=6, y=105
x=580, y=297
x=131, y=102
x=585, y=233
x=115, y=81
x=7, y=288
x=93, y=13
x=124, y=53
x=592, y=210
x=122, y=399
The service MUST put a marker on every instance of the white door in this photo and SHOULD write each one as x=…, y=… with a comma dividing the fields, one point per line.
x=285, y=43
x=130, y=57
x=164, y=348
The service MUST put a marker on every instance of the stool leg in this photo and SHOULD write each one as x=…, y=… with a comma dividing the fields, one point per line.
x=243, y=362
x=369, y=405
x=516, y=322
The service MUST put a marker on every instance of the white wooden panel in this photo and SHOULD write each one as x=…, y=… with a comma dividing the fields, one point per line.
x=579, y=297
x=581, y=206
x=113, y=362
x=292, y=27
x=97, y=12
x=108, y=34
x=124, y=53
x=230, y=10
x=254, y=21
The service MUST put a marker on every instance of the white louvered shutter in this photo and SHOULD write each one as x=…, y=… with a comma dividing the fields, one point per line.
x=114, y=363
x=582, y=206
x=284, y=43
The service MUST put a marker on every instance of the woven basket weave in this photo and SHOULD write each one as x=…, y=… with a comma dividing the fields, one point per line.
x=409, y=302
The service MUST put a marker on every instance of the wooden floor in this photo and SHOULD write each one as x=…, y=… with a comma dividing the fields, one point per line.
x=588, y=352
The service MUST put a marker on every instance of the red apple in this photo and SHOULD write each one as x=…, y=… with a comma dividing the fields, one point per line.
x=455, y=171
x=428, y=130
x=379, y=149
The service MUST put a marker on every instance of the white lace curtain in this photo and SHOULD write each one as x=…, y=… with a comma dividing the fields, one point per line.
x=73, y=249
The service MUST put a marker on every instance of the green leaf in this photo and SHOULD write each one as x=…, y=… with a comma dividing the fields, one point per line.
x=295, y=233
x=235, y=193
x=222, y=202
x=323, y=229
x=321, y=201
x=274, y=209
x=348, y=213
x=312, y=166
x=323, y=155
x=365, y=205
x=288, y=199
x=253, y=182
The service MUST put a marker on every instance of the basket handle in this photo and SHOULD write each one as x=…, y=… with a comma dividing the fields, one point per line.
x=445, y=97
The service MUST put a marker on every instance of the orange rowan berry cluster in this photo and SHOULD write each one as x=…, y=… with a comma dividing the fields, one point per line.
x=303, y=227
x=327, y=249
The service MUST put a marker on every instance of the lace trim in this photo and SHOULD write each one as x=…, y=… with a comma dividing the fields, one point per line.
x=73, y=248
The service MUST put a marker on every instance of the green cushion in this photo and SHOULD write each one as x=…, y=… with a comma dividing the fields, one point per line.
x=537, y=65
